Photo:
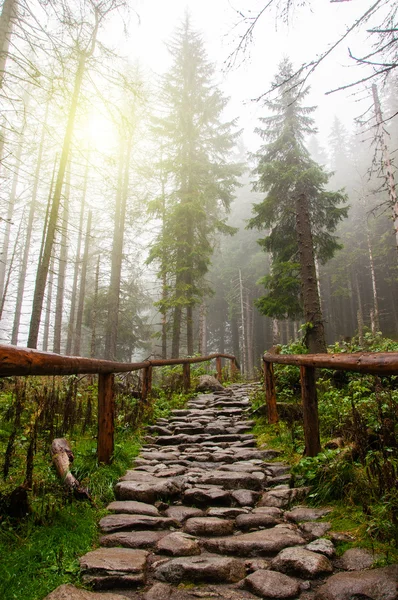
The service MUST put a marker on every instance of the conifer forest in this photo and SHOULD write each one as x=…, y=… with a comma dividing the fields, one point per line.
x=180, y=179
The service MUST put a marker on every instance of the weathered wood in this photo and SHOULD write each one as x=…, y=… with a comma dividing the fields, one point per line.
x=219, y=369
x=378, y=363
x=146, y=382
x=186, y=377
x=310, y=411
x=270, y=393
x=233, y=369
x=106, y=417
x=26, y=361
x=62, y=458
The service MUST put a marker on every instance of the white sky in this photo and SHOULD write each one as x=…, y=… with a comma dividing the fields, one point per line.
x=310, y=32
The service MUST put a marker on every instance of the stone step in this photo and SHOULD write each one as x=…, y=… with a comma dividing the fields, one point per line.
x=201, y=569
x=105, y=568
x=123, y=522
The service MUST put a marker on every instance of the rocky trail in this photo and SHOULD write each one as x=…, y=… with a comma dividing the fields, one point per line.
x=204, y=514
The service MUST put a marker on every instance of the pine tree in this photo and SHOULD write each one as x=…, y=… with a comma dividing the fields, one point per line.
x=297, y=210
x=202, y=176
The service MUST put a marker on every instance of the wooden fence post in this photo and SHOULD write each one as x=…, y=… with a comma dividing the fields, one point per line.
x=218, y=367
x=186, y=377
x=233, y=369
x=146, y=382
x=310, y=411
x=106, y=417
x=270, y=394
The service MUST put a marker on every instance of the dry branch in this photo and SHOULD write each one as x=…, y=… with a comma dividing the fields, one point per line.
x=62, y=457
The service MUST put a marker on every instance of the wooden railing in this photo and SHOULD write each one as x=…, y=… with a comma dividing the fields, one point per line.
x=24, y=361
x=378, y=363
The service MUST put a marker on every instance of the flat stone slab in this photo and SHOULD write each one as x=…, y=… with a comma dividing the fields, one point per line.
x=144, y=540
x=256, y=521
x=301, y=513
x=160, y=456
x=322, y=546
x=231, y=480
x=301, y=562
x=70, y=592
x=282, y=498
x=118, y=567
x=355, y=559
x=147, y=492
x=178, y=544
x=264, y=542
x=207, y=496
x=209, y=526
x=245, y=497
x=112, y=523
x=182, y=513
x=376, y=584
x=314, y=530
x=225, y=512
x=201, y=569
x=270, y=584
x=132, y=507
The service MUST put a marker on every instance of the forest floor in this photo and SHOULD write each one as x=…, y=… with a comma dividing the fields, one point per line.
x=205, y=513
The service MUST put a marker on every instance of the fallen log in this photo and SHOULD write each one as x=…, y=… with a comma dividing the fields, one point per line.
x=62, y=457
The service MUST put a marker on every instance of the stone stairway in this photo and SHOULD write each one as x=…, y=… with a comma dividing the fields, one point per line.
x=205, y=514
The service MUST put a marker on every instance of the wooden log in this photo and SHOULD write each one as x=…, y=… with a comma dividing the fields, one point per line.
x=146, y=382
x=270, y=393
x=219, y=369
x=62, y=458
x=377, y=363
x=26, y=361
x=186, y=377
x=310, y=411
x=106, y=417
x=233, y=369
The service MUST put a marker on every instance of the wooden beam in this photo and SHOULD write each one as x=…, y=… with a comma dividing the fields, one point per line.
x=146, y=382
x=106, y=417
x=219, y=368
x=310, y=411
x=186, y=377
x=270, y=393
x=378, y=363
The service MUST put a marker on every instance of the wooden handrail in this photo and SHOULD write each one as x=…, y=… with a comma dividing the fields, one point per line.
x=375, y=363
x=25, y=361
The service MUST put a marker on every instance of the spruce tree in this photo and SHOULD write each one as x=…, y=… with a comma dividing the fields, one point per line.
x=299, y=214
x=201, y=177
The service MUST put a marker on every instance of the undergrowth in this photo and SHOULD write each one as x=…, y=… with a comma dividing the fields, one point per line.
x=40, y=546
x=357, y=470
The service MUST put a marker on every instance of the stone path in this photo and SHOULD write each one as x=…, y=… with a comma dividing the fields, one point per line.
x=205, y=514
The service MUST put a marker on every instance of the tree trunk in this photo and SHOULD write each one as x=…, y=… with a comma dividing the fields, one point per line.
x=373, y=279
x=63, y=259
x=175, y=342
x=202, y=330
x=42, y=271
x=360, y=312
x=10, y=212
x=387, y=165
x=82, y=291
x=117, y=250
x=315, y=334
x=7, y=283
x=71, y=325
x=47, y=318
x=32, y=211
x=8, y=14
x=93, y=349
x=243, y=326
x=190, y=348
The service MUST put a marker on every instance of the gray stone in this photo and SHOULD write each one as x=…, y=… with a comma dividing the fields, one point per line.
x=112, y=523
x=131, y=507
x=245, y=497
x=143, y=540
x=264, y=542
x=302, y=562
x=322, y=546
x=315, y=530
x=178, y=544
x=208, y=526
x=269, y=584
x=147, y=492
x=201, y=569
x=376, y=584
x=70, y=592
x=170, y=470
x=355, y=559
x=159, y=456
x=114, y=567
x=283, y=497
x=207, y=496
x=208, y=383
x=225, y=512
x=302, y=513
x=269, y=510
x=231, y=480
x=182, y=513
x=159, y=591
x=255, y=521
